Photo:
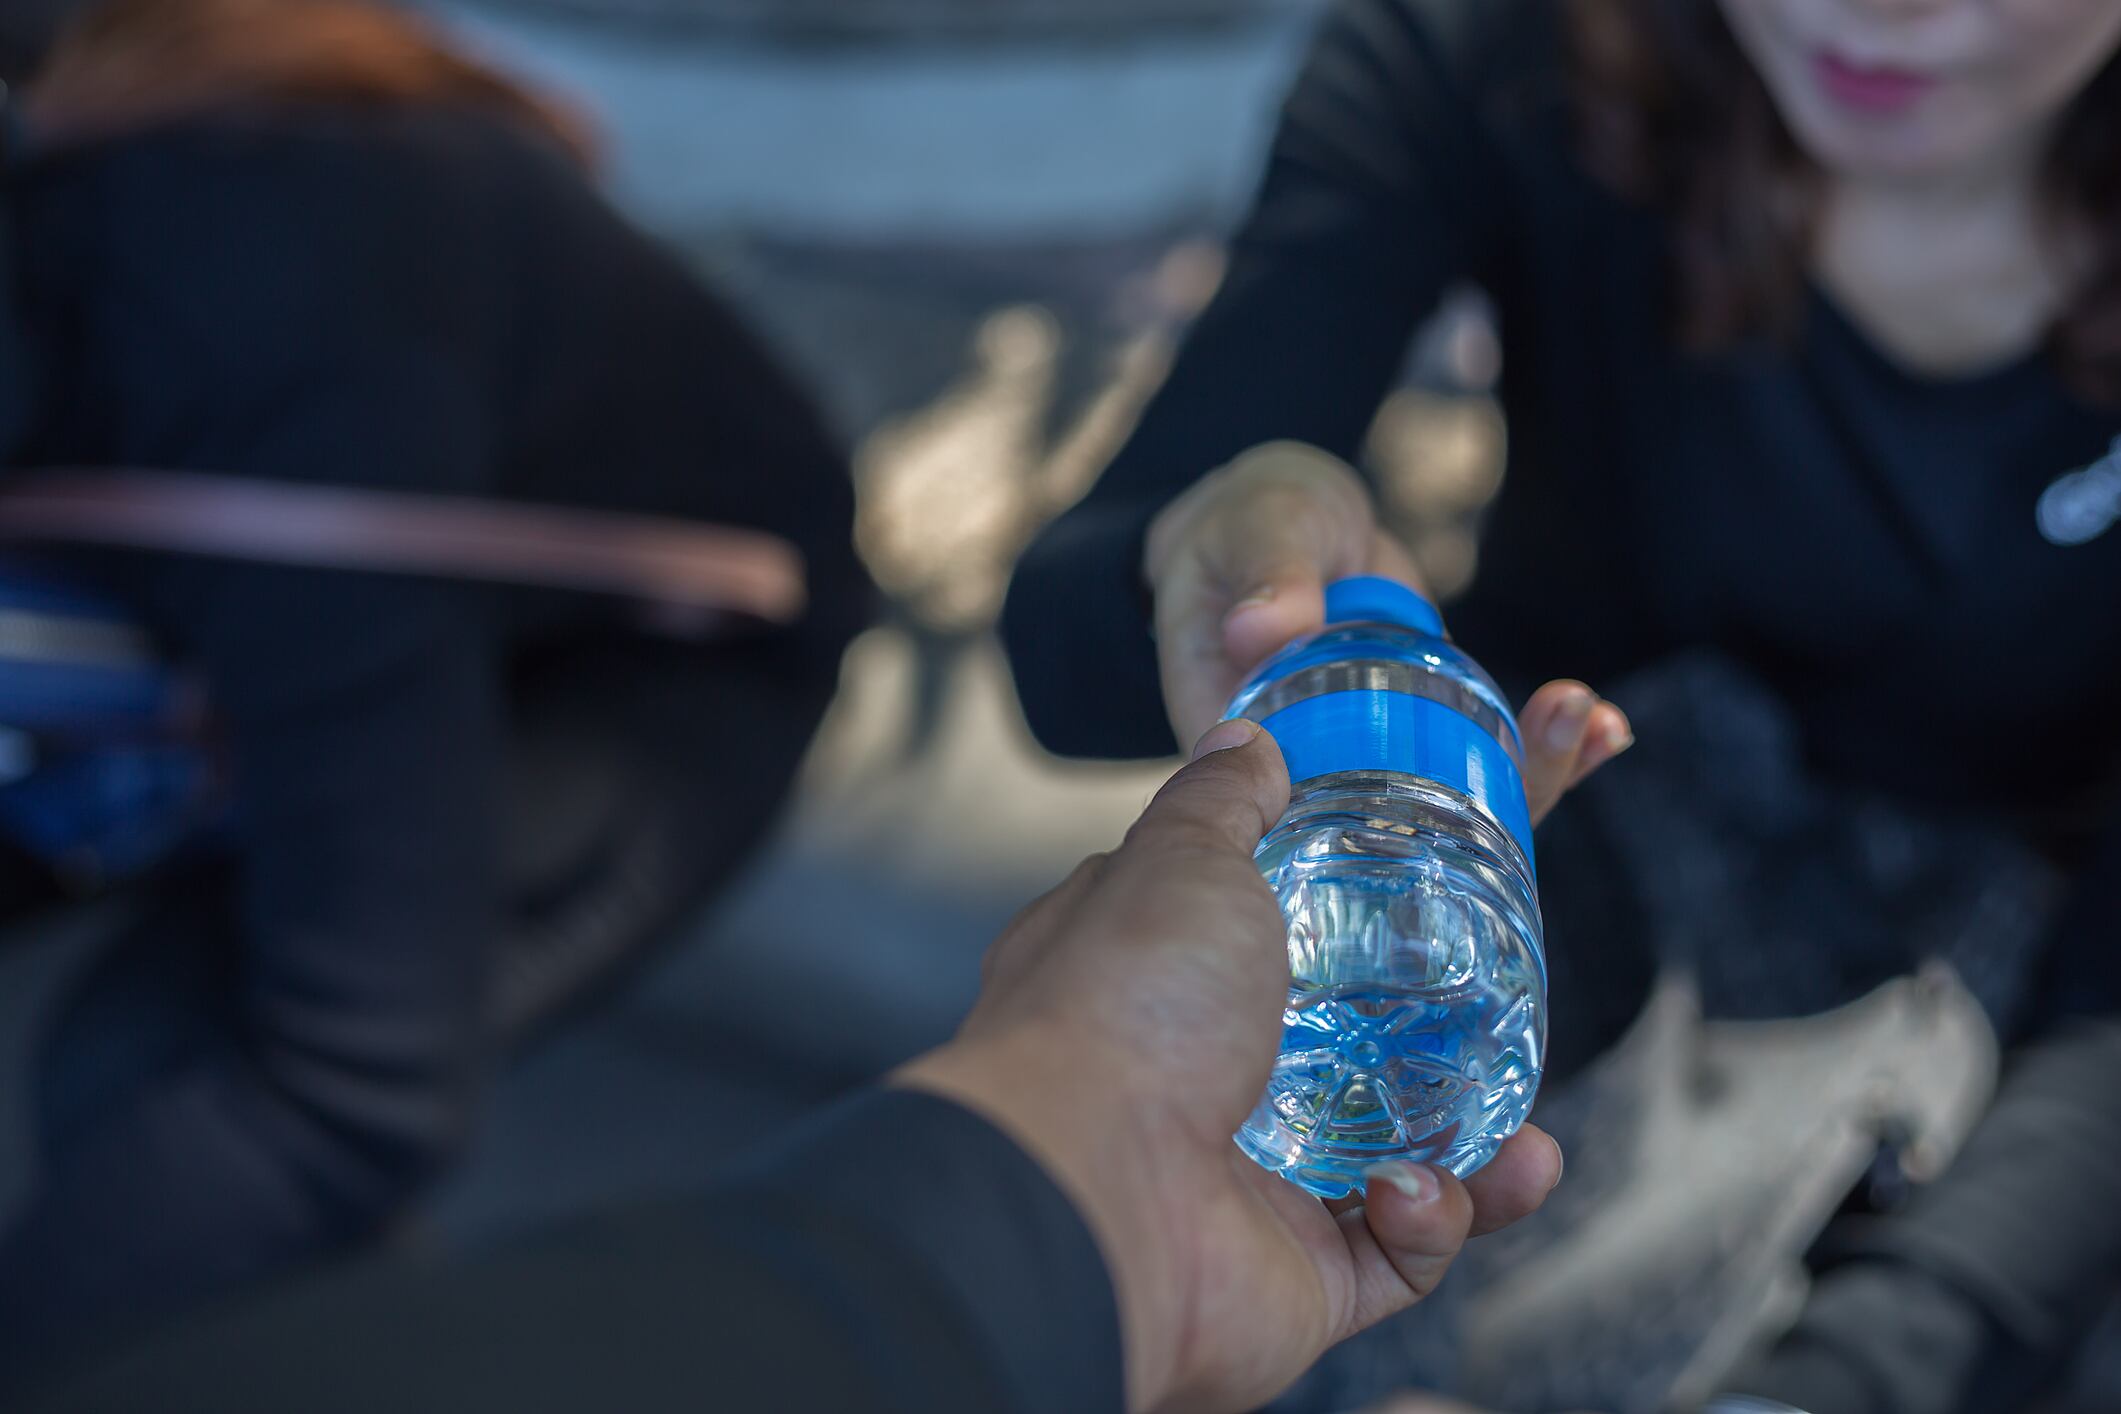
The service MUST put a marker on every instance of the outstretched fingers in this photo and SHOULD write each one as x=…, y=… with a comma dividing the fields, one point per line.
x=1569, y=731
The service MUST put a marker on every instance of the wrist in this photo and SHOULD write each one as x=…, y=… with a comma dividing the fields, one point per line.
x=1069, y=1123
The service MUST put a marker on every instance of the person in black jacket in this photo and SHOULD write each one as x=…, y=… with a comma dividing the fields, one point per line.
x=1808, y=313
x=26, y=31
x=306, y=244
x=1044, y=1216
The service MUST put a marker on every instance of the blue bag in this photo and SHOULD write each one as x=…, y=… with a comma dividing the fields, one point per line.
x=105, y=769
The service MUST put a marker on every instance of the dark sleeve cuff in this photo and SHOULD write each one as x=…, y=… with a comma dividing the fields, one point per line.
x=1077, y=630
x=949, y=1211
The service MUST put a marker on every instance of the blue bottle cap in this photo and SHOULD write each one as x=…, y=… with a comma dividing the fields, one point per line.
x=1373, y=599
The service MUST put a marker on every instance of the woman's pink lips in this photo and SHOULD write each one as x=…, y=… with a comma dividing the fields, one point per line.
x=1867, y=89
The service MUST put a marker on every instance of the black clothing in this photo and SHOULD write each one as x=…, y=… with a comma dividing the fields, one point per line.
x=288, y=1045
x=1863, y=536
x=898, y=1255
x=1860, y=538
x=26, y=31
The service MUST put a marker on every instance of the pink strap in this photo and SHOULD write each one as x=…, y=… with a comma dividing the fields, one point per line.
x=668, y=563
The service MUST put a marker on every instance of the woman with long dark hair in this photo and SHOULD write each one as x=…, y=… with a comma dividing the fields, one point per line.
x=304, y=245
x=1810, y=314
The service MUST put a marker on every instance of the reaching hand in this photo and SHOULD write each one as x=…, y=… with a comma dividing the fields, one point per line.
x=1239, y=566
x=1126, y=1028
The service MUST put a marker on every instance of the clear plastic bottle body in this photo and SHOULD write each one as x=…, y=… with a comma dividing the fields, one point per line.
x=1416, y=1020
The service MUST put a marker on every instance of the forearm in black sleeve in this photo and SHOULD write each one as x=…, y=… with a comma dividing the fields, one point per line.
x=330, y=1071
x=325, y=1070
x=1373, y=202
x=895, y=1254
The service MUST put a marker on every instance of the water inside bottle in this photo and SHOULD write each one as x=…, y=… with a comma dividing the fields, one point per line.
x=1414, y=1026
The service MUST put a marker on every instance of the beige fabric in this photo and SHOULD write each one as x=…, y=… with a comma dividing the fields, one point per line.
x=681, y=569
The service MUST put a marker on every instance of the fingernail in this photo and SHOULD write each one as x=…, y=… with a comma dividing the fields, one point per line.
x=1617, y=740
x=1262, y=595
x=1561, y=1161
x=1224, y=735
x=1417, y=1181
x=1567, y=727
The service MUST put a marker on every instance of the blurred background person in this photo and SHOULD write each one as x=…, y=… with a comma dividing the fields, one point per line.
x=1810, y=326
x=26, y=32
x=303, y=241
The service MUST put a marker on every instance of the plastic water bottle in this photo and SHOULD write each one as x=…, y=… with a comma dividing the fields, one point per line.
x=1416, y=1022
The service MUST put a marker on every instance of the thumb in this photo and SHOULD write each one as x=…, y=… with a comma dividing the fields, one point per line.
x=1185, y=870
x=1224, y=800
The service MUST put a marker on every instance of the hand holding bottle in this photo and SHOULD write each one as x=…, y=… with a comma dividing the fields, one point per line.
x=1239, y=565
x=1127, y=1024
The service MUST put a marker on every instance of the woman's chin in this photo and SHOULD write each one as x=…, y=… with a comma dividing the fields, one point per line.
x=1903, y=147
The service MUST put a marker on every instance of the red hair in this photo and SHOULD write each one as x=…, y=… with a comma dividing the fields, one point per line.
x=128, y=65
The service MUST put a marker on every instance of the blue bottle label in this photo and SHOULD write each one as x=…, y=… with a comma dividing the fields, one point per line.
x=1397, y=731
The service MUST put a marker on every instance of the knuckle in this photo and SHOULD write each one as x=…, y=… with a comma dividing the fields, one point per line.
x=1192, y=837
x=1087, y=872
x=1288, y=458
x=1251, y=787
x=1295, y=511
x=1217, y=807
x=1304, y=467
x=1299, y=526
x=1288, y=492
